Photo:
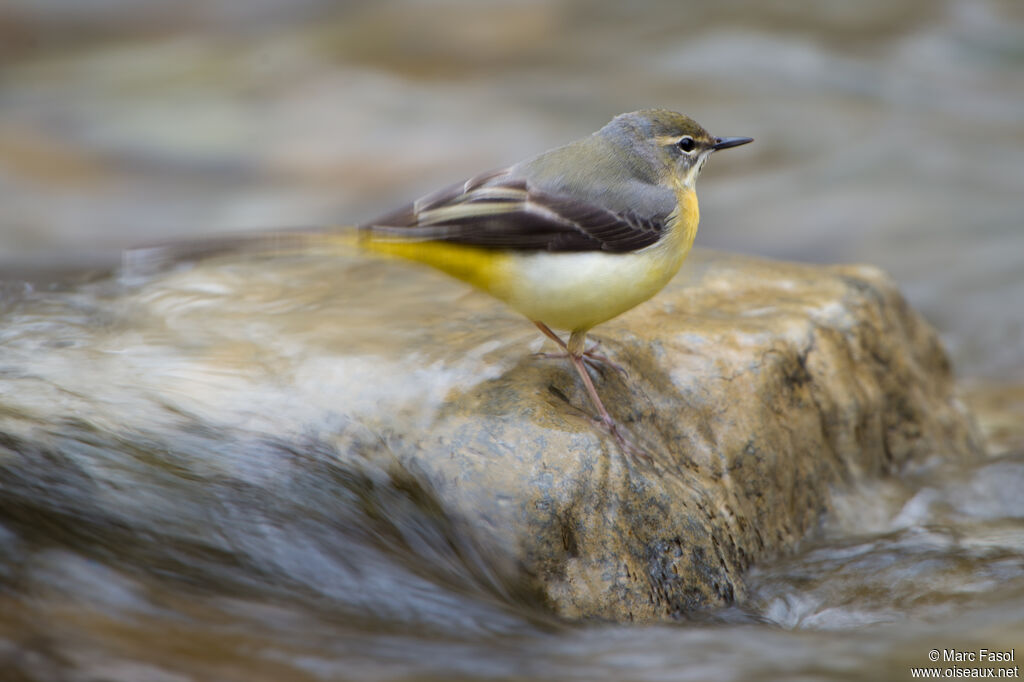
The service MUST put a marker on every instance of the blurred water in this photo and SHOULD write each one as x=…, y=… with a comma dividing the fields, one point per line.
x=182, y=497
x=136, y=537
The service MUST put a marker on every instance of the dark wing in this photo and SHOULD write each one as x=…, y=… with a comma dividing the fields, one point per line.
x=500, y=212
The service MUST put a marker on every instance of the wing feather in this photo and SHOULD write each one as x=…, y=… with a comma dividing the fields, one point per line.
x=497, y=211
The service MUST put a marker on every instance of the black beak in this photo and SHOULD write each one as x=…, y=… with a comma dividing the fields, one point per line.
x=726, y=142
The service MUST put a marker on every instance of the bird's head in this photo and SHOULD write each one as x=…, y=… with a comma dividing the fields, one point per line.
x=666, y=147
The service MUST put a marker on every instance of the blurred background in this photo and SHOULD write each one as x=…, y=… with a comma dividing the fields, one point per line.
x=886, y=132
x=151, y=529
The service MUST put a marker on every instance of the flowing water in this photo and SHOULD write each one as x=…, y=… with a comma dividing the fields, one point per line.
x=172, y=502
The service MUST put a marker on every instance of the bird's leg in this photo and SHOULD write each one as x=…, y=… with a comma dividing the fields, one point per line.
x=546, y=331
x=574, y=349
x=589, y=355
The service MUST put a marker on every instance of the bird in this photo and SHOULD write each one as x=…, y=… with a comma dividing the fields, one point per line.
x=572, y=237
x=569, y=238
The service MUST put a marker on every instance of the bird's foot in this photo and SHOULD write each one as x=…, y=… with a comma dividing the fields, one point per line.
x=593, y=360
x=625, y=443
x=596, y=360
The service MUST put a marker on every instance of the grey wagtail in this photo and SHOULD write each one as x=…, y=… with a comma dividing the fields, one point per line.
x=570, y=238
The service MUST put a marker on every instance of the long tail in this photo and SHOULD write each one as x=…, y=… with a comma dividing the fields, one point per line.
x=153, y=258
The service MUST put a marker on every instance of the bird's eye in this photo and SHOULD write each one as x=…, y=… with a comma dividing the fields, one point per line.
x=687, y=144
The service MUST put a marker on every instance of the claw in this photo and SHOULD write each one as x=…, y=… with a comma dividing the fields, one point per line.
x=595, y=359
x=626, y=444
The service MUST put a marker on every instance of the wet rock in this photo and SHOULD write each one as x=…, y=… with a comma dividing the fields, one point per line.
x=756, y=387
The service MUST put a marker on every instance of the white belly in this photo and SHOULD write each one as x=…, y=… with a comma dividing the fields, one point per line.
x=575, y=291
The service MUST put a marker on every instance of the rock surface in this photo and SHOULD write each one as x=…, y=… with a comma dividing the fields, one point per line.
x=756, y=387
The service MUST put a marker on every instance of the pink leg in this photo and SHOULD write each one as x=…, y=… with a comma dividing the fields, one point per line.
x=576, y=341
x=589, y=356
x=546, y=330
